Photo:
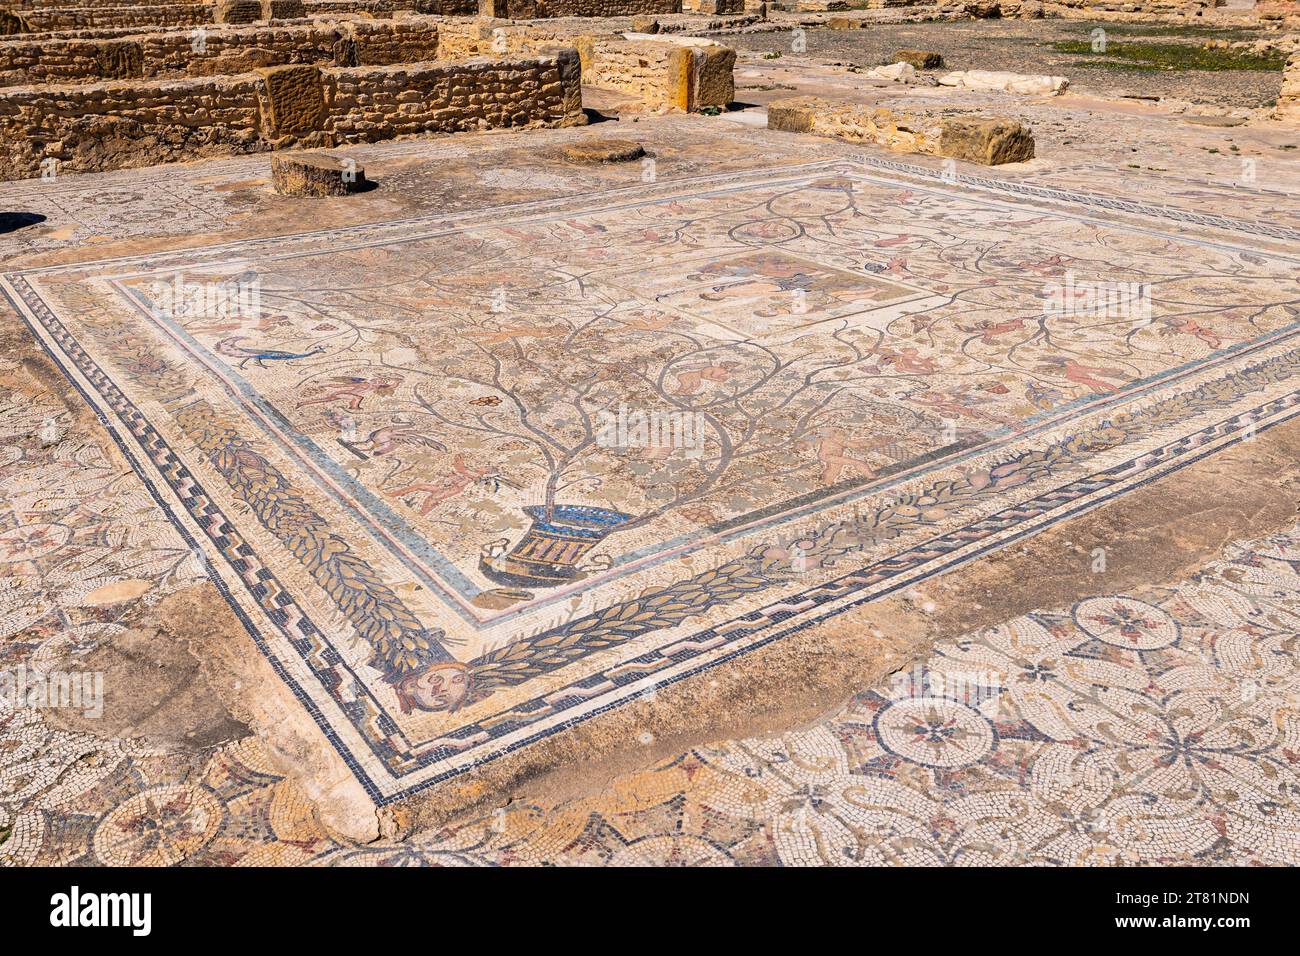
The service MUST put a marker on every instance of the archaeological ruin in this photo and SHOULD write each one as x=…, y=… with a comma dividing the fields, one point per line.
x=572, y=433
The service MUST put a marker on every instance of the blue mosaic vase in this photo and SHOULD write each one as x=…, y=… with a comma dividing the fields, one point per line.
x=551, y=550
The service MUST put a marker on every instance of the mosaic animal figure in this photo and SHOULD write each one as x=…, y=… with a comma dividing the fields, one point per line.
x=446, y=486
x=691, y=381
x=260, y=356
x=354, y=388
x=385, y=440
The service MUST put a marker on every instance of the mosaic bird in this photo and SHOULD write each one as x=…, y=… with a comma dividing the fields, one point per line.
x=385, y=440
x=246, y=354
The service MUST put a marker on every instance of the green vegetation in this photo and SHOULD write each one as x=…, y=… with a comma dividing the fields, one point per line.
x=1171, y=30
x=1169, y=56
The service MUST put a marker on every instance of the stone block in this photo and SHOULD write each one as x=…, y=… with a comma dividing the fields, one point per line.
x=793, y=114
x=997, y=81
x=315, y=174
x=712, y=83
x=120, y=60
x=991, y=141
x=594, y=151
x=920, y=59
x=12, y=24
x=283, y=9
x=237, y=11
x=294, y=98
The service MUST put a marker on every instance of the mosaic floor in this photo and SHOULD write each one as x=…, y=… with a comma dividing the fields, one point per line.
x=513, y=468
x=1155, y=727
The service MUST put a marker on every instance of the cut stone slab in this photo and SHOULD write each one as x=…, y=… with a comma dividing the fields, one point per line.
x=684, y=73
x=920, y=59
x=295, y=98
x=792, y=115
x=843, y=23
x=987, y=140
x=992, y=141
x=898, y=72
x=237, y=11
x=315, y=174
x=992, y=81
x=283, y=9
x=12, y=23
x=646, y=25
x=122, y=60
x=855, y=123
x=604, y=151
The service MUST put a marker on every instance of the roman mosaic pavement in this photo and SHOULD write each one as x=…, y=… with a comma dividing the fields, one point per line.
x=512, y=468
x=748, y=504
x=1152, y=727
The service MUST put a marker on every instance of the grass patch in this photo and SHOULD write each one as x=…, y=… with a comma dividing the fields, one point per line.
x=1169, y=56
x=1170, y=30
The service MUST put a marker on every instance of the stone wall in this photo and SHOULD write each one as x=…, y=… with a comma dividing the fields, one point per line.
x=1288, y=100
x=144, y=17
x=370, y=105
x=1136, y=9
x=663, y=71
x=230, y=50
x=92, y=14
x=21, y=5
x=543, y=9
x=102, y=126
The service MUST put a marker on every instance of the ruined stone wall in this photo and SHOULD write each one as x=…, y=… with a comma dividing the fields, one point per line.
x=664, y=74
x=101, y=126
x=102, y=14
x=369, y=105
x=1134, y=8
x=25, y=5
x=386, y=8
x=543, y=9
x=381, y=43
x=229, y=50
x=144, y=17
x=470, y=38
x=1288, y=100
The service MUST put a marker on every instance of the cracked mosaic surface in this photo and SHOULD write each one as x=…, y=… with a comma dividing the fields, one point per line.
x=403, y=480
x=1156, y=727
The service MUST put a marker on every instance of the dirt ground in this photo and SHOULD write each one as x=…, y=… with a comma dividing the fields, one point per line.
x=1026, y=46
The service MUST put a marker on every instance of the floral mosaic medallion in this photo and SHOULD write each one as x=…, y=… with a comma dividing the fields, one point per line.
x=469, y=480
